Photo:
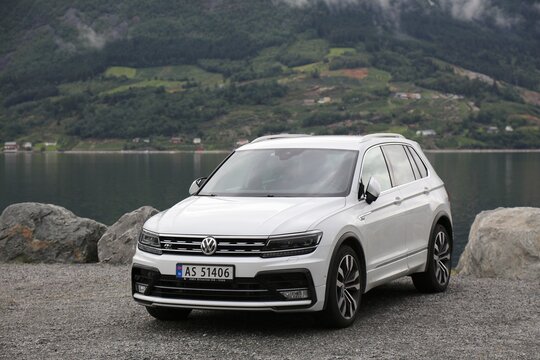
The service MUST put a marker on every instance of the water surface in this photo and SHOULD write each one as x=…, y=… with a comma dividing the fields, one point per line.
x=105, y=186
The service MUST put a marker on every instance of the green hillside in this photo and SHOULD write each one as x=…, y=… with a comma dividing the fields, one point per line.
x=97, y=74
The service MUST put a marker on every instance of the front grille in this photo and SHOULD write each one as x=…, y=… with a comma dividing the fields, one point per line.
x=241, y=289
x=263, y=287
x=226, y=246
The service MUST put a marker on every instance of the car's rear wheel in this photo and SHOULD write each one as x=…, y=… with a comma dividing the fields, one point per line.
x=168, y=314
x=344, y=289
x=437, y=274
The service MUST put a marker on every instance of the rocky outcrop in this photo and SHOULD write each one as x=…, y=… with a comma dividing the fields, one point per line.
x=504, y=243
x=117, y=245
x=34, y=232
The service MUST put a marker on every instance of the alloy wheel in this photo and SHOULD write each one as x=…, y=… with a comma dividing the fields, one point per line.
x=348, y=286
x=441, y=257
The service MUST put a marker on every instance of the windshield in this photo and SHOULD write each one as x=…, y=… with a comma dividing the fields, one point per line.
x=284, y=172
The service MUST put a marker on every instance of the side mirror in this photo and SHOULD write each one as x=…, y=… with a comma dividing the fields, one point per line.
x=196, y=185
x=373, y=190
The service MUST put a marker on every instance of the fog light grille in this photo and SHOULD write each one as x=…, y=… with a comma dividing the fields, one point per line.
x=141, y=288
x=295, y=294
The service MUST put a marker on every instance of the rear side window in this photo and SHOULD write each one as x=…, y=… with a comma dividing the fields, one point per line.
x=418, y=162
x=400, y=166
x=375, y=166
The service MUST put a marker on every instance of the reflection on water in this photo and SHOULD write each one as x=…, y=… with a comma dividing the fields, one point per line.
x=105, y=186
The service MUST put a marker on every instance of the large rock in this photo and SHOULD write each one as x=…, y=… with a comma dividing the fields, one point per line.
x=33, y=232
x=504, y=243
x=117, y=245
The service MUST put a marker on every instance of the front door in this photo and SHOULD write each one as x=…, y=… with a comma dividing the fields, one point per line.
x=382, y=223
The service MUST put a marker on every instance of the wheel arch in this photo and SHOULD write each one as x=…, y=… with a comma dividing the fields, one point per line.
x=442, y=218
x=352, y=240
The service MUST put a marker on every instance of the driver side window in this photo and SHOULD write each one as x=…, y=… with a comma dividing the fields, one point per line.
x=375, y=165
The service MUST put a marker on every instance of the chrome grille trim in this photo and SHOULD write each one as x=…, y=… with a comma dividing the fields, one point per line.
x=227, y=245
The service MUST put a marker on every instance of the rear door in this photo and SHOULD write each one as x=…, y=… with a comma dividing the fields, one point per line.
x=408, y=176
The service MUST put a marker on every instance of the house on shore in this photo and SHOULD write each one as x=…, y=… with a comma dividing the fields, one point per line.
x=242, y=142
x=11, y=146
x=427, y=132
x=27, y=146
x=177, y=140
x=492, y=130
x=197, y=141
x=325, y=100
x=408, y=96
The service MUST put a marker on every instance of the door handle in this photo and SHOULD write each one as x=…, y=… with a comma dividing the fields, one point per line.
x=397, y=200
x=363, y=216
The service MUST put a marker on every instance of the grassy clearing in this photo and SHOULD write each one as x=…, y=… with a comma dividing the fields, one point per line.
x=180, y=73
x=267, y=59
x=170, y=86
x=376, y=76
x=170, y=77
x=340, y=51
x=304, y=52
x=121, y=71
x=92, y=86
x=309, y=68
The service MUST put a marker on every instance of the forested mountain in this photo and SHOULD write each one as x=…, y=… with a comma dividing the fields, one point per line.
x=223, y=70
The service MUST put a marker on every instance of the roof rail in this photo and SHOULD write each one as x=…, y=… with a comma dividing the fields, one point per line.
x=278, y=136
x=382, y=135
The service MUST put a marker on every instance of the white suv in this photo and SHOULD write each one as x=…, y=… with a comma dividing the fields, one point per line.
x=298, y=223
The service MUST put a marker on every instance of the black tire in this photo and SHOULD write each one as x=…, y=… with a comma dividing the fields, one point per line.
x=343, y=301
x=168, y=314
x=437, y=275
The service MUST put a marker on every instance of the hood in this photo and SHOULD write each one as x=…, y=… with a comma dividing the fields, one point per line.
x=205, y=215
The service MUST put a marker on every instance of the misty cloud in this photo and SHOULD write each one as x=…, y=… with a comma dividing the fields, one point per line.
x=90, y=38
x=112, y=29
x=472, y=10
x=465, y=10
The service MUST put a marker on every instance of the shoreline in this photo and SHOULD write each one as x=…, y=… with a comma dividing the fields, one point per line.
x=223, y=151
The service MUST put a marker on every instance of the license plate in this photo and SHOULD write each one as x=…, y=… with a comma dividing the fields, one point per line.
x=204, y=272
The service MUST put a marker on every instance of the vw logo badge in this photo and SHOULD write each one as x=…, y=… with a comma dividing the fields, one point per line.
x=209, y=245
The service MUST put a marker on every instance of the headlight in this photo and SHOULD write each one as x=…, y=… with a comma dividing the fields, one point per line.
x=149, y=242
x=293, y=244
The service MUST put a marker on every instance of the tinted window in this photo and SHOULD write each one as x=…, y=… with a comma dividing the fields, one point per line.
x=400, y=166
x=419, y=162
x=413, y=164
x=375, y=165
x=284, y=172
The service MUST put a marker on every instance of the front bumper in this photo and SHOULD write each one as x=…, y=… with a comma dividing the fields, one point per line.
x=256, y=285
x=222, y=305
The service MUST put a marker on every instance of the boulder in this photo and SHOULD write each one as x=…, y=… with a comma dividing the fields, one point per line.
x=504, y=243
x=34, y=232
x=117, y=245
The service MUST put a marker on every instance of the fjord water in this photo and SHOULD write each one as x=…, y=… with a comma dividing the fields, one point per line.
x=105, y=186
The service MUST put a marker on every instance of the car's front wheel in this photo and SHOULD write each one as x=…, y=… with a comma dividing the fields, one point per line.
x=437, y=274
x=168, y=314
x=344, y=289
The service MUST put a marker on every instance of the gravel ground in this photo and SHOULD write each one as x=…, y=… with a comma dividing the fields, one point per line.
x=86, y=311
